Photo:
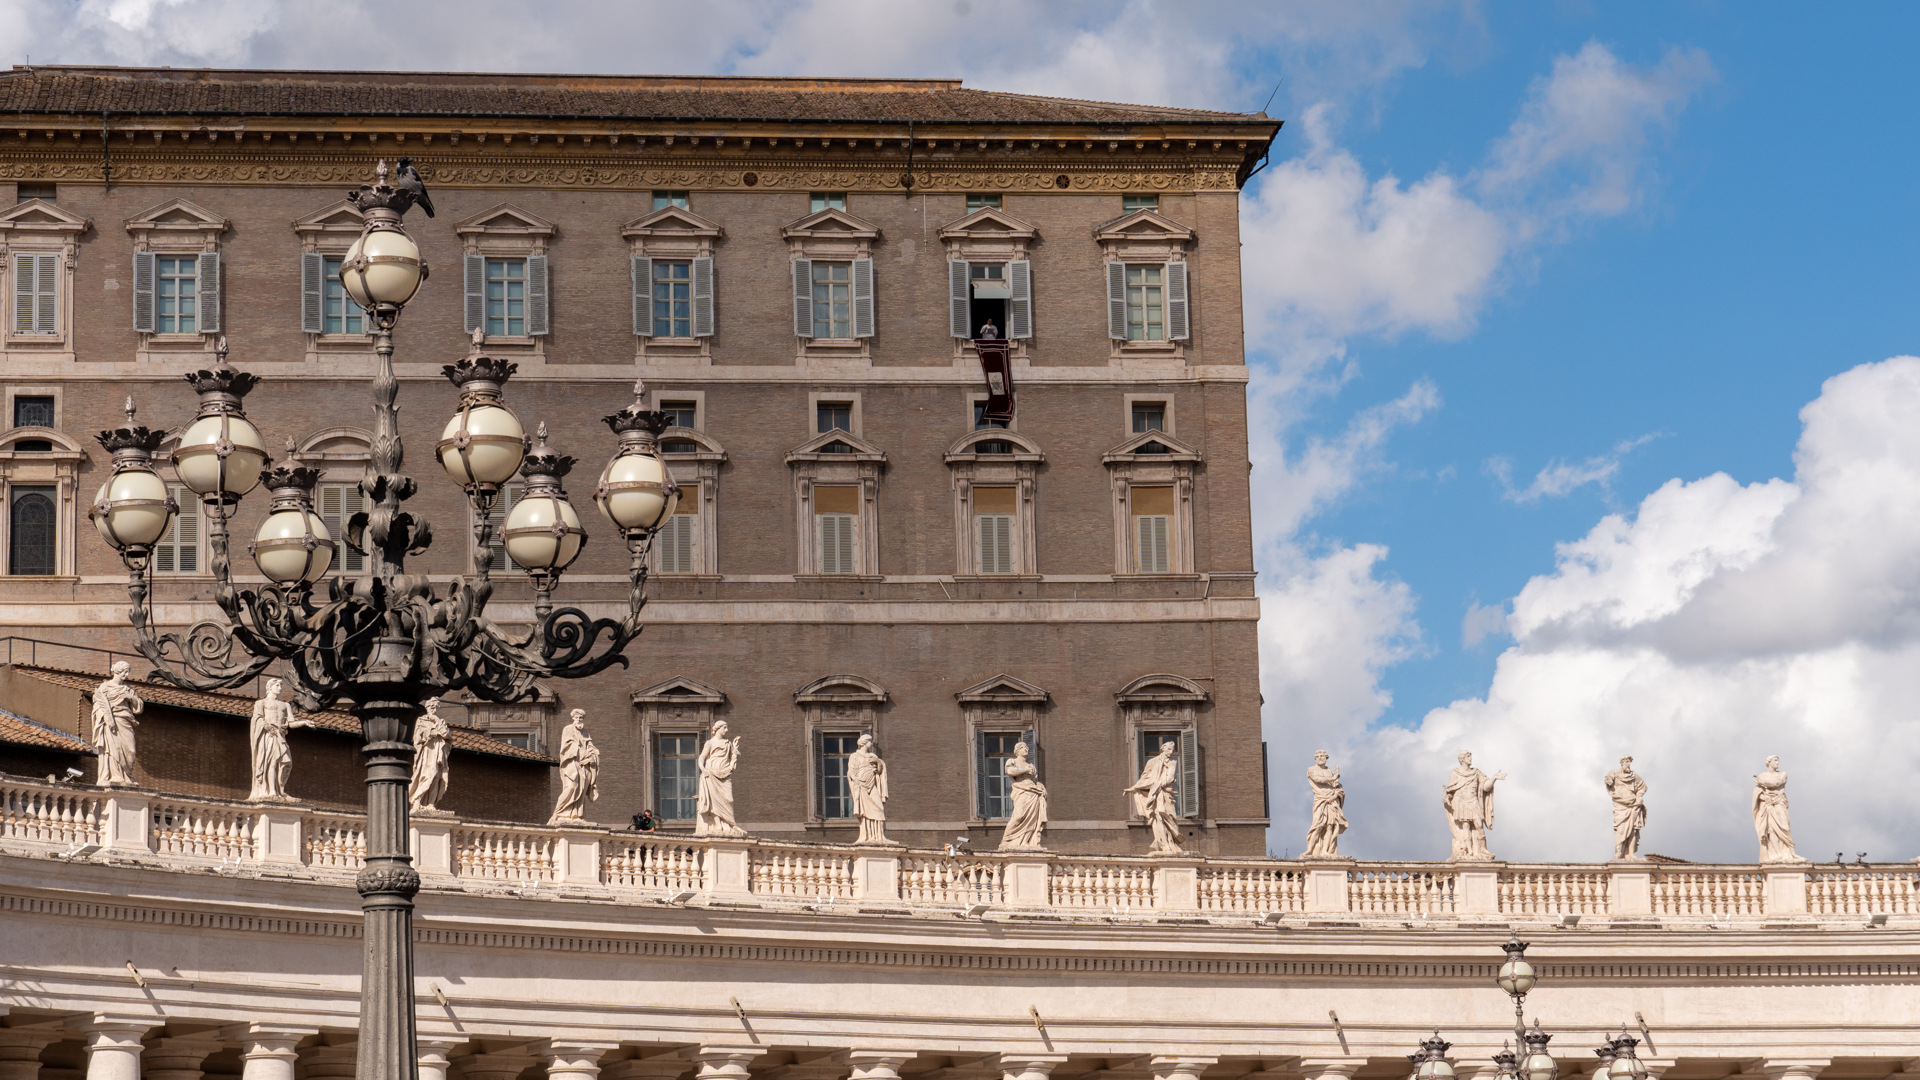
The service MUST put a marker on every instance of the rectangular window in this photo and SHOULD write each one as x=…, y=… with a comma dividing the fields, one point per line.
x=179, y=551
x=1146, y=311
x=497, y=518
x=980, y=200
x=993, y=513
x=507, y=297
x=826, y=200
x=836, y=796
x=33, y=531
x=677, y=544
x=832, y=299
x=521, y=739
x=341, y=315
x=982, y=420
x=176, y=294
x=32, y=411
x=36, y=299
x=338, y=503
x=47, y=192
x=664, y=199
x=684, y=414
x=1131, y=203
x=833, y=416
x=672, y=299
x=1149, y=416
x=995, y=749
x=836, y=511
x=1153, y=509
x=1148, y=745
x=676, y=777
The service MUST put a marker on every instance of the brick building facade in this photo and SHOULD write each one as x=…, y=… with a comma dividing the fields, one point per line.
x=860, y=552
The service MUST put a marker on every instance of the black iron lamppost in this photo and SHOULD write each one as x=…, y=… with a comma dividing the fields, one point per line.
x=384, y=642
x=1516, y=978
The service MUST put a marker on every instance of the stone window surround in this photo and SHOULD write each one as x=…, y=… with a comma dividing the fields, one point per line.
x=522, y=236
x=698, y=475
x=829, y=705
x=967, y=240
x=18, y=390
x=534, y=718
x=174, y=239
x=1162, y=240
x=1126, y=470
x=1157, y=702
x=696, y=239
x=817, y=398
x=1164, y=399
x=1002, y=703
x=342, y=455
x=657, y=398
x=851, y=238
x=59, y=469
x=61, y=236
x=861, y=469
x=1018, y=471
x=326, y=234
x=676, y=706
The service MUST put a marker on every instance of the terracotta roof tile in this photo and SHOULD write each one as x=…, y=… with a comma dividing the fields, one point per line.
x=21, y=731
x=463, y=738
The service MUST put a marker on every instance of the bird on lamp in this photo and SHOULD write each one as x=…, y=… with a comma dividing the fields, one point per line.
x=407, y=178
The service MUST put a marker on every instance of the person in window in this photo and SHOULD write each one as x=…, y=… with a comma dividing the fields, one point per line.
x=643, y=821
x=989, y=332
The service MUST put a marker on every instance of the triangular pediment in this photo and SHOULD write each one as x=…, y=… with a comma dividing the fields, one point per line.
x=1142, y=225
x=340, y=217
x=989, y=222
x=679, y=690
x=1156, y=444
x=42, y=216
x=179, y=214
x=832, y=223
x=823, y=444
x=671, y=221
x=1002, y=687
x=506, y=218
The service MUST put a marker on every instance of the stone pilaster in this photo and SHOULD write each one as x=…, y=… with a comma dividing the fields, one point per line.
x=1479, y=888
x=329, y=1062
x=1327, y=885
x=1792, y=1068
x=578, y=856
x=1630, y=887
x=1176, y=884
x=876, y=876
x=279, y=835
x=20, y=1049
x=1787, y=889
x=1016, y=1066
x=725, y=868
x=125, y=828
x=1026, y=879
x=573, y=1059
x=431, y=841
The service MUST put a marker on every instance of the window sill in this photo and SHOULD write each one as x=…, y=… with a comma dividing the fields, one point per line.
x=997, y=577
x=52, y=579
x=1171, y=576
x=839, y=577
x=661, y=576
x=833, y=343
x=48, y=340
x=196, y=339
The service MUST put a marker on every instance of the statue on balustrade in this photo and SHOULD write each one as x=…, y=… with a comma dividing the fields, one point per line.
x=115, y=704
x=718, y=759
x=1629, y=791
x=1770, y=815
x=1329, y=810
x=867, y=776
x=1154, y=798
x=579, y=770
x=1029, y=818
x=432, y=755
x=272, y=757
x=1469, y=803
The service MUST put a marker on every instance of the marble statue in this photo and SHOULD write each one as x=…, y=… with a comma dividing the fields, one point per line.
x=579, y=770
x=1029, y=818
x=432, y=755
x=718, y=759
x=1153, y=799
x=1329, y=810
x=1468, y=800
x=272, y=758
x=1629, y=791
x=115, y=704
x=867, y=775
x=1770, y=815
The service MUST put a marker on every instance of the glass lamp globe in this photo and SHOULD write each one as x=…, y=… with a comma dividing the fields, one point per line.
x=1516, y=977
x=293, y=545
x=543, y=533
x=635, y=491
x=132, y=508
x=492, y=448
x=1626, y=1066
x=198, y=461
x=392, y=273
x=1434, y=1068
x=1537, y=1064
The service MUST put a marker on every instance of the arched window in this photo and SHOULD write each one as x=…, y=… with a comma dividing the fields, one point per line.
x=32, y=532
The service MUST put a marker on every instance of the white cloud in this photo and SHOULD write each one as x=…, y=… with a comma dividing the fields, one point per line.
x=1481, y=622
x=1563, y=477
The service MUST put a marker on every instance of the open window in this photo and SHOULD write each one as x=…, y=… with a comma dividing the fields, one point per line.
x=989, y=278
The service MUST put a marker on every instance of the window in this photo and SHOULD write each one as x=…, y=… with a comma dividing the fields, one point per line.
x=981, y=420
x=32, y=531
x=36, y=292
x=832, y=299
x=672, y=298
x=179, y=551
x=338, y=504
x=1131, y=203
x=506, y=297
x=1148, y=747
x=980, y=200
x=833, y=416
x=521, y=739
x=176, y=290
x=678, y=544
x=32, y=411
x=1149, y=416
x=684, y=414
x=497, y=518
x=836, y=511
x=46, y=192
x=1146, y=313
x=341, y=315
x=676, y=776
x=1153, y=509
x=826, y=200
x=993, y=513
x=1186, y=741
x=1147, y=302
x=991, y=300
x=664, y=199
x=996, y=788
x=836, y=796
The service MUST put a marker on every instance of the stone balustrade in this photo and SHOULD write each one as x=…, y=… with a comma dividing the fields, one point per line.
x=65, y=820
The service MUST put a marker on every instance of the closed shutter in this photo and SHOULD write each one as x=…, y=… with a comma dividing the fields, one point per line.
x=642, y=296
x=144, y=273
x=338, y=504
x=675, y=544
x=1176, y=279
x=476, y=293
x=178, y=552
x=1031, y=737
x=536, y=295
x=1189, y=772
x=1117, y=301
x=996, y=543
x=1020, y=299
x=862, y=298
x=1152, y=551
x=836, y=543
x=313, y=289
x=803, y=298
x=23, y=286
x=958, y=299
x=36, y=278
x=703, y=296
x=497, y=521
x=209, y=292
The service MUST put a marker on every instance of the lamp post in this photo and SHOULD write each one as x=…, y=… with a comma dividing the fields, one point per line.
x=1625, y=1065
x=386, y=641
x=1538, y=1064
x=1430, y=1061
x=1516, y=978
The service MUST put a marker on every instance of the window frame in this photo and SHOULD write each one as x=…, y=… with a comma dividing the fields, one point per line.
x=1128, y=468
x=826, y=200
x=56, y=469
x=501, y=232
x=655, y=759
x=678, y=706
x=860, y=468
x=674, y=234
x=1141, y=201
x=1002, y=704
x=190, y=507
x=1019, y=470
x=1143, y=238
x=984, y=200
x=698, y=474
x=17, y=494
x=40, y=227
x=843, y=705
x=991, y=235
x=833, y=235
x=1164, y=702
x=328, y=234
x=665, y=199
x=179, y=229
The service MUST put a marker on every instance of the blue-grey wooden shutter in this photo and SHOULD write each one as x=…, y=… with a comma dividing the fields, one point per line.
x=1190, y=772
x=1031, y=737
x=703, y=296
x=145, y=271
x=862, y=298
x=1117, y=301
x=803, y=298
x=1020, y=299
x=980, y=775
x=313, y=273
x=209, y=292
x=536, y=295
x=642, y=296
x=1176, y=279
x=958, y=307
x=23, y=285
x=476, y=292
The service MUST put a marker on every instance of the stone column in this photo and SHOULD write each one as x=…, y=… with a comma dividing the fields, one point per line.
x=1176, y=884
x=267, y=1050
x=724, y=1062
x=433, y=1057
x=177, y=1058
x=571, y=1059
x=1340, y=1068
x=877, y=1064
x=499, y=1065
x=329, y=1062
x=114, y=1046
x=1015, y=1066
x=1179, y=1067
x=20, y=1050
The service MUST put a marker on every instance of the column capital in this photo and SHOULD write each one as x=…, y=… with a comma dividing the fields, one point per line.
x=1330, y=1068
x=499, y=1065
x=870, y=1063
x=1020, y=1066
x=118, y=1024
x=1791, y=1068
x=20, y=1049
x=668, y=1066
x=1179, y=1066
x=723, y=1062
x=576, y=1059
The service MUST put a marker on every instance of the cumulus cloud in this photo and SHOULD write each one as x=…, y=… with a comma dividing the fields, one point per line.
x=1481, y=622
x=1560, y=478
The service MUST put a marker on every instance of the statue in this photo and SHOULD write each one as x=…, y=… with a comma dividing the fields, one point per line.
x=718, y=758
x=867, y=776
x=1029, y=817
x=115, y=704
x=579, y=770
x=1153, y=799
x=272, y=758
x=1770, y=815
x=1469, y=804
x=431, y=754
x=1329, y=810
x=1629, y=791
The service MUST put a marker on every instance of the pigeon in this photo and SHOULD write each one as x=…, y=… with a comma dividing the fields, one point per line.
x=407, y=178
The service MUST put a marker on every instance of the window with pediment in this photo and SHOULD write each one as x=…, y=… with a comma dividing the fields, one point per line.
x=833, y=283
x=994, y=471
x=1148, y=285
x=332, y=322
x=836, y=711
x=1158, y=709
x=687, y=544
x=674, y=716
x=671, y=252
x=341, y=456
x=997, y=715
x=836, y=477
x=177, y=272
x=507, y=276
x=528, y=724
x=39, y=476
x=1151, y=475
x=989, y=279
x=39, y=242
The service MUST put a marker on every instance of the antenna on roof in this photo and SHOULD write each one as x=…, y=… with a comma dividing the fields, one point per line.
x=1276, y=93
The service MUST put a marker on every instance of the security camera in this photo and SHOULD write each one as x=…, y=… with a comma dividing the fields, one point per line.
x=73, y=773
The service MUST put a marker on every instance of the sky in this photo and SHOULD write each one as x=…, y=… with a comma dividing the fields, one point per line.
x=1584, y=420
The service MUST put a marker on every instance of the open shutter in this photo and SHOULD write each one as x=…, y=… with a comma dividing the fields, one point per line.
x=144, y=272
x=862, y=298
x=1117, y=301
x=980, y=775
x=209, y=292
x=1190, y=772
x=313, y=272
x=803, y=298
x=958, y=306
x=642, y=296
x=536, y=295
x=703, y=296
x=24, y=278
x=476, y=293
x=1176, y=279
x=1031, y=737
x=1020, y=299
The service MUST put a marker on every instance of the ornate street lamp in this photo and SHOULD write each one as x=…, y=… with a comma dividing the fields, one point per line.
x=1431, y=1063
x=1538, y=1064
x=1516, y=978
x=1625, y=1065
x=1606, y=1056
x=384, y=642
x=1505, y=1065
